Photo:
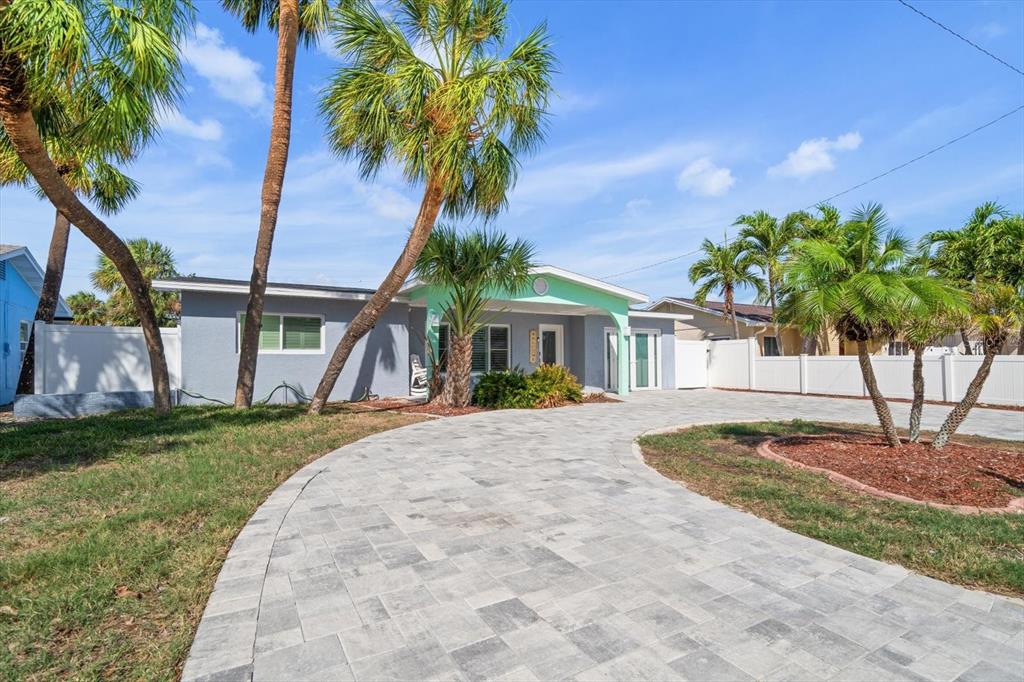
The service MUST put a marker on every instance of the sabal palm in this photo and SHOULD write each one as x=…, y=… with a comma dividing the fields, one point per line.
x=119, y=64
x=769, y=240
x=724, y=269
x=156, y=261
x=855, y=283
x=456, y=121
x=293, y=20
x=472, y=267
x=87, y=309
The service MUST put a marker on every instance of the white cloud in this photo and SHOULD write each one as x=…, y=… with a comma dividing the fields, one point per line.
x=635, y=207
x=575, y=181
x=704, y=178
x=232, y=76
x=989, y=31
x=174, y=121
x=814, y=156
x=568, y=102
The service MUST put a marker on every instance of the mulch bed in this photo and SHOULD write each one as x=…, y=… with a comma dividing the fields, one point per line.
x=959, y=474
x=414, y=407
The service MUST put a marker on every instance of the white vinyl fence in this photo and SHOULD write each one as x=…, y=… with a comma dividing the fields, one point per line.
x=76, y=359
x=738, y=364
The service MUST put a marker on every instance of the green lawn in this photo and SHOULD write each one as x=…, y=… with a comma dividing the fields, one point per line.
x=113, y=528
x=719, y=461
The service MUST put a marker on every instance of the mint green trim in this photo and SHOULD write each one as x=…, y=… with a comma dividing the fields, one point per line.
x=560, y=292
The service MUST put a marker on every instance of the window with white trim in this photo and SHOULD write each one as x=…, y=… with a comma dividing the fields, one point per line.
x=491, y=347
x=771, y=347
x=898, y=348
x=24, y=333
x=287, y=333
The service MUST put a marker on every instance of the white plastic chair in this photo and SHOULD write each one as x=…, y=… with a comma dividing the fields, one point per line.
x=418, y=384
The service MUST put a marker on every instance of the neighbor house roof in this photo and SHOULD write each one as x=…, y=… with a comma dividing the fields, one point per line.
x=21, y=259
x=747, y=313
x=240, y=286
x=633, y=297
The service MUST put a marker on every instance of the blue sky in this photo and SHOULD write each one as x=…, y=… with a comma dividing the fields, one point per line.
x=671, y=120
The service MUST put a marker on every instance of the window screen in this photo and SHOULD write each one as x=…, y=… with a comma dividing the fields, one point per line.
x=771, y=346
x=499, y=348
x=480, y=350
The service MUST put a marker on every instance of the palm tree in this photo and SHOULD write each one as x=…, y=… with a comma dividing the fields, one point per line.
x=86, y=309
x=455, y=121
x=156, y=261
x=470, y=266
x=49, y=52
x=964, y=254
x=85, y=169
x=768, y=241
x=994, y=314
x=293, y=19
x=854, y=283
x=725, y=269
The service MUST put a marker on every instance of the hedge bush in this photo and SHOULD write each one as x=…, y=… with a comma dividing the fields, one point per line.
x=548, y=386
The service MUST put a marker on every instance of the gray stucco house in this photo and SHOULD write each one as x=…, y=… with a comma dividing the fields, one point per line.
x=562, y=318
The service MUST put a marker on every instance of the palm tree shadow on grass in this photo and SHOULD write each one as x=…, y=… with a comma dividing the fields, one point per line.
x=34, y=448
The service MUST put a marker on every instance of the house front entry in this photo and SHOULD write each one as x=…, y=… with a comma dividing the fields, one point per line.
x=551, y=342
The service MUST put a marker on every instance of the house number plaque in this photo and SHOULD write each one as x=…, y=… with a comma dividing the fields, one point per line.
x=533, y=346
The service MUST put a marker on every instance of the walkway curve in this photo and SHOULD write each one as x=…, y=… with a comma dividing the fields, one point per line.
x=525, y=545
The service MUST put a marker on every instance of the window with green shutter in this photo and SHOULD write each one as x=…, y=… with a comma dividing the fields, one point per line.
x=301, y=333
x=286, y=332
x=490, y=347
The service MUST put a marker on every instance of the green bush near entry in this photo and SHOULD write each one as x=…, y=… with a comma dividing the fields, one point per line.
x=548, y=386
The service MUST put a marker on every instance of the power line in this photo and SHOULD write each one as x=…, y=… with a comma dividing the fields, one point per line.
x=966, y=40
x=839, y=194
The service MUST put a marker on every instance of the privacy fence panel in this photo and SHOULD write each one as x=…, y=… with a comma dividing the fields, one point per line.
x=738, y=364
x=77, y=359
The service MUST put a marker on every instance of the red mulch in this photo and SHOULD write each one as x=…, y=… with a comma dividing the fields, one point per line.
x=957, y=474
x=413, y=407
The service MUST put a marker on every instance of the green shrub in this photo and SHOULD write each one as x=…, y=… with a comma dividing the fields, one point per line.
x=500, y=389
x=548, y=386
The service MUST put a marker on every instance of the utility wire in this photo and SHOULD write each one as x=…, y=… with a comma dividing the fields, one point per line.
x=838, y=194
x=966, y=40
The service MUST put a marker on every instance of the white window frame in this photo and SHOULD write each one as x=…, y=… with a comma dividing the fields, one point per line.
x=608, y=369
x=658, y=367
x=282, y=350
x=23, y=345
x=559, y=346
x=487, y=349
x=901, y=348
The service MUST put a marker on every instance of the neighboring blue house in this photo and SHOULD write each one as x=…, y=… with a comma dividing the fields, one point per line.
x=21, y=280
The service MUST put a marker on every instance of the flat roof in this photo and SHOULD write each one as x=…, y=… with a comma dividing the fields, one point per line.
x=240, y=286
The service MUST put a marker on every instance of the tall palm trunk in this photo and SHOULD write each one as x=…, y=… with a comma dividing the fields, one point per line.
x=881, y=406
x=775, y=322
x=917, y=404
x=16, y=113
x=730, y=309
x=1020, y=341
x=273, y=181
x=374, y=308
x=959, y=413
x=966, y=341
x=460, y=366
x=46, y=309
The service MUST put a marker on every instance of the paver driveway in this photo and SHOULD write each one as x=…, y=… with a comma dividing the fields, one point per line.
x=523, y=545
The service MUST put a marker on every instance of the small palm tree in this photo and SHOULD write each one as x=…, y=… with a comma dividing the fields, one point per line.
x=471, y=266
x=768, y=241
x=156, y=261
x=119, y=62
x=456, y=121
x=86, y=309
x=855, y=283
x=725, y=269
x=293, y=20
x=968, y=253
